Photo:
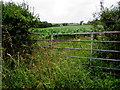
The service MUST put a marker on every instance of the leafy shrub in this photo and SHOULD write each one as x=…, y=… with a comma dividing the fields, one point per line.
x=110, y=21
x=16, y=20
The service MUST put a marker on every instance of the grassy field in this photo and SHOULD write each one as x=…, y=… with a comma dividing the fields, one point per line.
x=64, y=29
x=50, y=68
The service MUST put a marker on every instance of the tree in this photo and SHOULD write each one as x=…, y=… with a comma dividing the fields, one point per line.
x=65, y=24
x=44, y=24
x=81, y=22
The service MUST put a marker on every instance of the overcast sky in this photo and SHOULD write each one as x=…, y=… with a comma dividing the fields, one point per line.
x=71, y=11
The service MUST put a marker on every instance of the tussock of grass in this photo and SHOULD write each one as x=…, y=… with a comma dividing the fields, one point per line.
x=52, y=70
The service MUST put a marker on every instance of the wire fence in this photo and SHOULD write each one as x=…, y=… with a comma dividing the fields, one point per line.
x=92, y=41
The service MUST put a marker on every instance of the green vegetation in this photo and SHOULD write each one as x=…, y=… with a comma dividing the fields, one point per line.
x=49, y=68
x=16, y=20
x=62, y=29
x=110, y=21
x=46, y=68
x=44, y=24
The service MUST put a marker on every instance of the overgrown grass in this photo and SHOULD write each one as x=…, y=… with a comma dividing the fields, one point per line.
x=49, y=68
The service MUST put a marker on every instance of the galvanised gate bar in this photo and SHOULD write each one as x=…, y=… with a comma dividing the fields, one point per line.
x=51, y=40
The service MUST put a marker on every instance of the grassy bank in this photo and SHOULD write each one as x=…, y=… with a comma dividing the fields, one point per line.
x=51, y=68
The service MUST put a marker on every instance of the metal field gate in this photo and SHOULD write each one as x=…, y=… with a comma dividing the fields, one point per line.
x=91, y=42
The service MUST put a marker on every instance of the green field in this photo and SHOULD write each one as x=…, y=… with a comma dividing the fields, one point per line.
x=64, y=29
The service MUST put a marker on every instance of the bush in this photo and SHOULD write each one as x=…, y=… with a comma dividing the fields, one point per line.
x=110, y=21
x=16, y=20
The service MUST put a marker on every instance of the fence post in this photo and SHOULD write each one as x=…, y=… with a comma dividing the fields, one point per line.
x=91, y=48
x=51, y=39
